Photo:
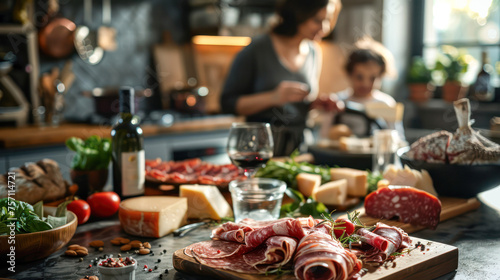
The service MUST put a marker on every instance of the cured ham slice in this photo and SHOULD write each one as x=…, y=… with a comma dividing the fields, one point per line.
x=408, y=204
x=297, y=228
x=318, y=256
x=385, y=241
x=276, y=252
x=216, y=249
x=231, y=232
x=375, y=240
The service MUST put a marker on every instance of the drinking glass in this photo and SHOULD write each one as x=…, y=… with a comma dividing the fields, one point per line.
x=250, y=146
x=385, y=144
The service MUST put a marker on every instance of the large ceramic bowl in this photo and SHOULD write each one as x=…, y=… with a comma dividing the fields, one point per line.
x=455, y=180
x=39, y=245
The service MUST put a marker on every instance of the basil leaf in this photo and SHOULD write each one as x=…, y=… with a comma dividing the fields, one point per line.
x=294, y=194
x=75, y=144
x=61, y=209
x=38, y=209
x=56, y=221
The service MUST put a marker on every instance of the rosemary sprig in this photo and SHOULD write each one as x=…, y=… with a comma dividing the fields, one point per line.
x=279, y=271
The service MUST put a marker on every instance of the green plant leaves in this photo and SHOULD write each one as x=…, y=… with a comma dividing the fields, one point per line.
x=92, y=154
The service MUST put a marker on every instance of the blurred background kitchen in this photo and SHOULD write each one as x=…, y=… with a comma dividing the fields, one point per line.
x=62, y=62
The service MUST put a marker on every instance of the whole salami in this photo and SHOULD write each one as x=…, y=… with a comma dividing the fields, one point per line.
x=409, y=204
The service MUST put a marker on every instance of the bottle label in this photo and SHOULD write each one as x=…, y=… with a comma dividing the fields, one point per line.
x=133, y=173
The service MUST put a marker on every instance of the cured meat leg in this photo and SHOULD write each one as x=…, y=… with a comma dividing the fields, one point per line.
x=467, y=146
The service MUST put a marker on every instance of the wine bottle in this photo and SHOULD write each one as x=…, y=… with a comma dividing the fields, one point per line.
x=483, y=89
x=128, y=149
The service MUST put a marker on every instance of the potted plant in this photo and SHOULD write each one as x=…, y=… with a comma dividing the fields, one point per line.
x=419, y=80
x=453, y=64
x=89, y=167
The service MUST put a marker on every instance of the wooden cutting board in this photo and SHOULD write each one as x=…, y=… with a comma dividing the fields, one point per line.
x=450, y=207
x=438, y=260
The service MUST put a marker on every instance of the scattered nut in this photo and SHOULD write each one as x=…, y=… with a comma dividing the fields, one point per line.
x=93, y=278
x=73, y=247
x=71, y=253
x=126, y=247
x=81, y=259
x=82, y=252
x=116, y=242
x=96, y=243
x=135, y=241
x=124, y=241
x=146, y=245
x=144, y=251
x=82, y=248
x=101, y=249
x=136, y=245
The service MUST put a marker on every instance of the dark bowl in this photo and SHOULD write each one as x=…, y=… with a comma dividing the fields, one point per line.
x=454, y=180
x=333, y=157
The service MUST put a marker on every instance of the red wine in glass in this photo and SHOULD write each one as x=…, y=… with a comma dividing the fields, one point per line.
x=251, y=160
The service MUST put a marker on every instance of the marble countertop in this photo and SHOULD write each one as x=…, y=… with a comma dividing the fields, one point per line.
x=476, y=234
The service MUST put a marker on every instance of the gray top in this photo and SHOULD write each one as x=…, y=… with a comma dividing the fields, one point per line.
x=257, y=68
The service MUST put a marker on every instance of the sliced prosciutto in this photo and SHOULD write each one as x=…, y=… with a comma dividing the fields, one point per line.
x=410, y=205
x=320, y=257
x=216, y=249
x=231, y=232
x=375, y=240
x=297, y=228
x=276, y=252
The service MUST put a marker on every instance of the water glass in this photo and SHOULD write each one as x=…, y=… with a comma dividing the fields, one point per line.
x=385, y=144
x=257, y=198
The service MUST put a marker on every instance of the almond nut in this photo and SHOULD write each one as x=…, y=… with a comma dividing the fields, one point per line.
x=143, y=251
x=93, y=278
x=81, y=248
x=146, y=245
x=73, y=247
x=96, y=243
x=71, y=253
x=82, y=252
x=136, y=245
x=135, y=241
x=124, y=241
x=126, y=247
x=116, y=242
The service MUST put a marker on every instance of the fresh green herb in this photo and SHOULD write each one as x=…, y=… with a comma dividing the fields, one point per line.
x=288, y=171
x=301, y=206
x=221, y=221
x=279, y=271
x=27, y=218
x=92, y=154
x=373, y=179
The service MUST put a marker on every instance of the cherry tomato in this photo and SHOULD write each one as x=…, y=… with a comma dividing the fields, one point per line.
x=348, y=228
x=81, y=209
x=104, y=204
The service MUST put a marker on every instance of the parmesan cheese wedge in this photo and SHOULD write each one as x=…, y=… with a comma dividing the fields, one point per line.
x=332, y=193
x=409, y=177
x=357, y=180
x=308, y=183
x=152, y=216
x=205, y=202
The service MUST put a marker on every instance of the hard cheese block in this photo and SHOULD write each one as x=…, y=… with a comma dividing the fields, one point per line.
x=205, y=202
x=332, y=193
x=152, y=216
x=308, y=183
x=357, y=184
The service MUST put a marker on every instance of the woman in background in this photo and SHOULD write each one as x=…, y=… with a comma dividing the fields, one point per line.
x=275, y=78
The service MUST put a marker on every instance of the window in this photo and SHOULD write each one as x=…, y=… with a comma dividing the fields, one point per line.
x=473, y=26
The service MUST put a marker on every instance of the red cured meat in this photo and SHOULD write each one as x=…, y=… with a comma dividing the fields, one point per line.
x=375, y=240
x=293, y=228
x=276, y=252
x=431, y=148
x=216, y=249
x=409, y=204
x=318, y=256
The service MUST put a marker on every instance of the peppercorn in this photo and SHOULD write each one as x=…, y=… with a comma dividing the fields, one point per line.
x=159, y=245
x=164, y=251
x=145, y=266
x=150, y=270
x=156, y=267
x=90, y=266
x=159, y=260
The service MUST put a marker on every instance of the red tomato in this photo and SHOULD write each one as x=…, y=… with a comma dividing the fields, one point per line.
x=348, y=227
x=104, y=204
x=81, y=209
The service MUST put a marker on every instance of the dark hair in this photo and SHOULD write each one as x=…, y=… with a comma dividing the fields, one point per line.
x=292, y=13
x=363, y=56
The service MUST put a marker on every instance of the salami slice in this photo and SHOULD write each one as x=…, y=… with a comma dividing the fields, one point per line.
x=216, y=249
x=318, y=256
x=410, y=205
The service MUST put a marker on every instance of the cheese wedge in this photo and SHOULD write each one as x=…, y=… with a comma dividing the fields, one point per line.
x=307, y=183
x=410, y=177
x=357, y=180
x=205, y=202
x=332, y=193
x=152, y=216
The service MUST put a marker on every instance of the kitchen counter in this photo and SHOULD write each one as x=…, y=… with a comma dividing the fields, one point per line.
x=34, y=136
x=475, y=234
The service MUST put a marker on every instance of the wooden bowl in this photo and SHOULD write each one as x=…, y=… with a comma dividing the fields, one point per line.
x=39, y=245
